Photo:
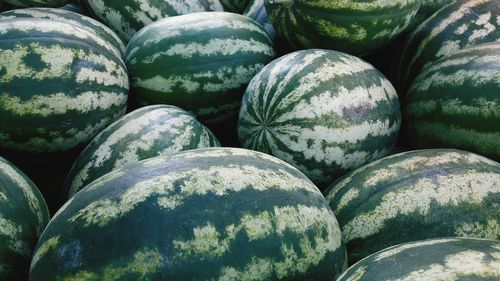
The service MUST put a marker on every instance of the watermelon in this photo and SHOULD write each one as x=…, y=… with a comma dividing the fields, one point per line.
x=417, y=195
x=23, y=216
x=256, y=11
x=126, y=17
x=433, y=259
x=455, y=102
x=201, y=62
x=234, y=6
x=325, y=112
x=459, y=25
x=144, y=133
x=356, y=27
x=206, y=214
x=36, y=3
x=73, y=18
x=427, y=9
x=60, y=84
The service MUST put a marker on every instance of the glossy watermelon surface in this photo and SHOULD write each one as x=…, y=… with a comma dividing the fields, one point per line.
x=207, y=214
x=355, y=27
x=455, y=102
x=323, y=111
x=417, y=195
x=60, y=84
x=23, y=216
x=144, y=133
x=200, y=62
x=434, y=259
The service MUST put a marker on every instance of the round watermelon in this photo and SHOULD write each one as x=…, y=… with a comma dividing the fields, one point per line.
x=36, y=3
x=201, y=62
x=356, y=27
x=126, y=17
x=417, y=195
x=23, y=216
x=144, y=133
x=207, y=214
x=60, y=84
x=433, y=259
x=459, y=25
x=73, y=18
x=324, y=112
x=455, y=102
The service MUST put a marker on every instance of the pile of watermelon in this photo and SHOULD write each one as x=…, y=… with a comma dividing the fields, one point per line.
x=249, y=140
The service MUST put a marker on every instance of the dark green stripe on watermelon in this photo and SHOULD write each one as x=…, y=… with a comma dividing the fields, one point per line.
x=208, y=214
x=455, y=102
x=417, y=195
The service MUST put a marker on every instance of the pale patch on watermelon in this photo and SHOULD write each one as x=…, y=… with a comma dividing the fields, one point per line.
x=395, y=250
x=472, y=187
x=49, y=244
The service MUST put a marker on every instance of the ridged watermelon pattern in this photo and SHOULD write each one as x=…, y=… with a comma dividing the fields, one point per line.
x=356, y=27
x=325, y=112
x=59, y=85
x=200, y=62
x=78, y=20
x=434, y=259
x=417, y=195
x=127, y=17
x=23, y=216
x=455, y=102
x=210, y=214
x=457, y=26
x=36, y=3
x=256, y=11
x=144, y=133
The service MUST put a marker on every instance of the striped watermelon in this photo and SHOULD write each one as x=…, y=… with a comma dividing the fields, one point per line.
x=324, y=112
x=73, y=18
x=356, y=27
x=459, y=25
x=455, y=102
x=234, y=6
x=417, y=195
x=126, y=17
x=36, y=3
x=433, y=259
x=23, y=216
x=209, y=214
x=200, y=62
x=59, y=85
x=256, y=11
x=144, y=133
x=427, y=9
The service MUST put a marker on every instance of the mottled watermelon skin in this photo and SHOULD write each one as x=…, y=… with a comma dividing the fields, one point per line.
x=23, y=216
x=234, y=6
x=73, y=18
x=36, y=3
x=59, y=85
x=427, y=9
x=355, y=27
x=324, y=112
x=417, y=195
x=455, y=102
x=127, y=17
x=256, y=11
x=209, y=214
x=433, y=259
x=200, y=62
x=459, y=25
x=144, y=133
